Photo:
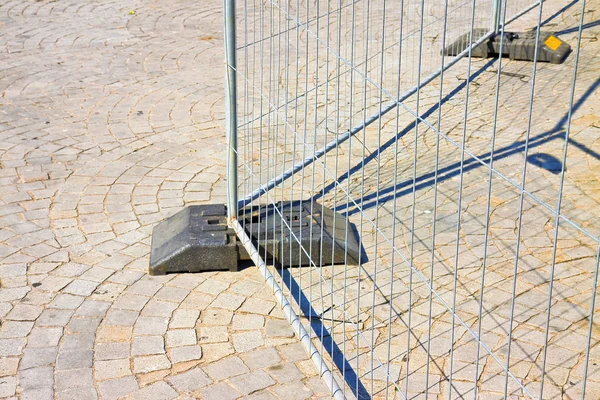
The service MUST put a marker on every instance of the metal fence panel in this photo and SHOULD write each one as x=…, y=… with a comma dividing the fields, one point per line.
x=468, y=183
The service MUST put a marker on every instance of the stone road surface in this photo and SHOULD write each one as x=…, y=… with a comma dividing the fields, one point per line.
x=111, y=118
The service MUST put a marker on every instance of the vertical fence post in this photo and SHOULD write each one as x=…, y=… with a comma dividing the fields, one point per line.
x=231, y=109
x=495, y=17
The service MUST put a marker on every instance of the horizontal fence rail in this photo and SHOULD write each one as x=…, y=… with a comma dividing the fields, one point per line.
x=428, y=222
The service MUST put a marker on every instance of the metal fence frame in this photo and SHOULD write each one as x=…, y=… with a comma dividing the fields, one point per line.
x=498, y=21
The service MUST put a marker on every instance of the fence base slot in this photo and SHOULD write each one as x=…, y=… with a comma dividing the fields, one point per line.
x=517, y=46
x=197, y=238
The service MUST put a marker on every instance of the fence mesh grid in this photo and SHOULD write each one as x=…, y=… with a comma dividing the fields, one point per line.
x=470, y=184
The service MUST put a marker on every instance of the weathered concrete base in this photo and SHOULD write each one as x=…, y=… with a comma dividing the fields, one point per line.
x=516, y=46
x=292, y=234
x=195, y=239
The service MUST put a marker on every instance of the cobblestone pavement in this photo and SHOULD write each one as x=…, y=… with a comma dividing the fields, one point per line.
x=111, y=119
x=411, y=317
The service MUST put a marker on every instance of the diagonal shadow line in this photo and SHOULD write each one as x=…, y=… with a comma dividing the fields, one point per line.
x=453, y=170
x=336, y=354
x=403, y=132
x=576, y=29
x=556, y=14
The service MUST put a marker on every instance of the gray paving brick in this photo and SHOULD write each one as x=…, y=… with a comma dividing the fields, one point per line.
x=111, y=350
x=181, y=337
x=116, y=388
x=45, y=393
x=261, y=358
x=78, y=341
x=285, y=373
x=220, y=391
x=252, y=382
x=37, y=357
x=53, y=317
x=226, y=368
x=150, y=363
x=111, y=369
x=185, y=353
x=12, y=347
x=121, y=317
x=15, y=329
x=74, y=360
x=190, y=381
x=151, y=326
x=77, y=378
x=8, y=386
x=147, y=345
x=39, y=377
x=158, y=391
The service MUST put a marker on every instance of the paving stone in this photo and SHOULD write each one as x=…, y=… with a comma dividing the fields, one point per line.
x=171, y=294
x=77, y=378
x=262, y=395
x=158, y=308
x=216, y=317
x=147, y=345
x=293, y=390
x=66, y=301
x=131, y=302
x=185, y=353
x=15, y=329
x=257, y=306
x=8, y=386
x=228, y=301
x=23, y=312
x=38, y=377
x=293, y=352
x=74, y=360
x=116, y=388
x=38, y=357
x=92, y=308
x=53, y=317
x=285, y=373
x=121, y=317
x=78, y=341
x=113, y=334
x=184, y=319
x=111, y=369
x=261, y=358
x=213, y=334
x=156, y=391
x=252, y=382
x=244, y=322
x=196, y=301
x=278, y=328
x=150, y=363
x=146, y=287
x=246, y=341
x=12, y=347
x=216, y=351
x=45, y=393
x=190, y=381
x=151, y=326
x=226, y=368
x=82, y=393
x=181, y=337
x=112, y=351
x=220, y=391
x=81, y=287
x=77, y=325
x=213, y=286
x=8, y=366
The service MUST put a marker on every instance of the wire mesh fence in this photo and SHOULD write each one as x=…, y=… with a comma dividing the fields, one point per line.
x=469, y=185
